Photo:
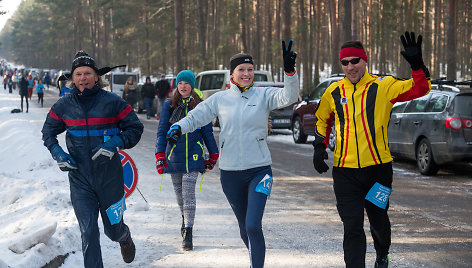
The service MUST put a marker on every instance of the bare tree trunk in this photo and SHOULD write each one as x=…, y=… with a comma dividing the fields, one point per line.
x=354, y=27
x=178, y=18
x=334, y=38
x=303, y=45
x=242, y=24
x=347, y=21
x=286, y=19
x=202, y=30
x=451, y=40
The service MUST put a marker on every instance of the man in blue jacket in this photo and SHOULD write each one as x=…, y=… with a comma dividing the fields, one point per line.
x=97, y=124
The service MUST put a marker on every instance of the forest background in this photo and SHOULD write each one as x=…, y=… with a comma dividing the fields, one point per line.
x=166, y=36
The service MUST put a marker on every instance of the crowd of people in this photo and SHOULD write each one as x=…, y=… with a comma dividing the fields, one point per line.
x=358, y=106
x=26, y=84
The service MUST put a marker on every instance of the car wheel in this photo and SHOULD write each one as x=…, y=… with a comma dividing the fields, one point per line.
x=332, y=140
x=297, y=131
x=424, y=158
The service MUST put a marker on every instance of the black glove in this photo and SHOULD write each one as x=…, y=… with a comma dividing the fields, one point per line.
x=174, y=134
x=289, y=57
x=412, y=52
x=319, y=156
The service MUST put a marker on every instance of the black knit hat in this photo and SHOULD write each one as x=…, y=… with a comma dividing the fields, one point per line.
x=81, y=58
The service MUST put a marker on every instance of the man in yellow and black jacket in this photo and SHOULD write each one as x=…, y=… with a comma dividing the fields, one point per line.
x=359, y=106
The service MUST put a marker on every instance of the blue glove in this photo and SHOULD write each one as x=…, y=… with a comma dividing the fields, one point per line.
x=174, y=133
x=105, y=152
x=64, y=160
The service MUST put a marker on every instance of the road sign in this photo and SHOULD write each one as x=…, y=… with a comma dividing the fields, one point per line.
x=130, y=173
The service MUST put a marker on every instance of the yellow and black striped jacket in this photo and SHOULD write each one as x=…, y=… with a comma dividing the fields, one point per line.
x=361, y=113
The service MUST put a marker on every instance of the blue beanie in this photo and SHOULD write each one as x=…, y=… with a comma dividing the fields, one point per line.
x=187, y=76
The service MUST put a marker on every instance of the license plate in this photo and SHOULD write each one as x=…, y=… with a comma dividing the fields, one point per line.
x=281, y=121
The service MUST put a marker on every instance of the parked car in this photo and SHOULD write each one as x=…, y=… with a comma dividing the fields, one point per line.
x=116, y=81
x=279, y=118
x=210, y=82
x=303, y=116
x=435, y=129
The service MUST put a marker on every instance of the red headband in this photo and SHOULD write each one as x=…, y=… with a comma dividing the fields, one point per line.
x=352, y=52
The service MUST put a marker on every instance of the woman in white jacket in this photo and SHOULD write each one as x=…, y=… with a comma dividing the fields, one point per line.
x=242, y=110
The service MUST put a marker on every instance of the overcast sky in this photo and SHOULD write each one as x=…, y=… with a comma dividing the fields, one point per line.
x=9, y=6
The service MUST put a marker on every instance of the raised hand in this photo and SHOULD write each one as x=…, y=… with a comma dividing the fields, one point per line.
x=289, y=57
x=412, y=52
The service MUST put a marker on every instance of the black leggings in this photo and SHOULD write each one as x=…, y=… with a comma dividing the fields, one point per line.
x=40, y=98
x=27, y=105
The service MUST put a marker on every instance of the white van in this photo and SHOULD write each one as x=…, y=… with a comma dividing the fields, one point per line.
x=210, y=82
x=116, y=81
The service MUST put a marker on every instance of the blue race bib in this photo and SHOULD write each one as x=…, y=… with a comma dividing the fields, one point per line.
x=265, y=185
x=378, y=195
x=115, y=211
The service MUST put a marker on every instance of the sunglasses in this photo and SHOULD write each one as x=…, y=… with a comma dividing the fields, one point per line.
x=353, y=61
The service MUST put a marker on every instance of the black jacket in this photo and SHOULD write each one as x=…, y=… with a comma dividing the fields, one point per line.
x=148, y=91
x=162, y=87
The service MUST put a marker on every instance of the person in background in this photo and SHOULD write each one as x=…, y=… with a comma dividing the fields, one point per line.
x=184, y=159
x=243, y=111
x=24, y=92
x=47, y=80
x=98, y=124
x=130, y=91
x=149, y=93
x=31, y=84
x=40, y=91
x=360, y=105
x=162, y=88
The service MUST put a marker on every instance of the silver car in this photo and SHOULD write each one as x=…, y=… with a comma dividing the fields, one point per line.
x=435, y=129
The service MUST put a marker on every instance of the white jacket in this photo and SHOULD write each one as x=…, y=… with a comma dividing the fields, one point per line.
x=243, y=121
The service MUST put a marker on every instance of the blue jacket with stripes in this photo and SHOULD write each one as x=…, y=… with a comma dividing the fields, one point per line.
x=188, y=153
x=89, y=119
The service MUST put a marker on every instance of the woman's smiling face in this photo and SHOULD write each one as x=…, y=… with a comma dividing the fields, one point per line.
x=243, y=74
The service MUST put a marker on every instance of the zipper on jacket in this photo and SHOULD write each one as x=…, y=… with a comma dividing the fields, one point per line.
x=355, y=126
x=186, y=142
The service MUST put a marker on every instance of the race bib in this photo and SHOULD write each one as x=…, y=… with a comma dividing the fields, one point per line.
x=115, y=211
x=265, y=185
x=378, y=195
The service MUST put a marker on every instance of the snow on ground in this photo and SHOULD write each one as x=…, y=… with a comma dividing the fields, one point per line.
x=37, y=221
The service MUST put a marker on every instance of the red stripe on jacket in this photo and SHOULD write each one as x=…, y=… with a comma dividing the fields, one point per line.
x=94, y=121
x=419, y=89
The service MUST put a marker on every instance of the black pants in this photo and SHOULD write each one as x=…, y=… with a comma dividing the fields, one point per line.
x=40, y=98
x=27, y=105
x=350, y=187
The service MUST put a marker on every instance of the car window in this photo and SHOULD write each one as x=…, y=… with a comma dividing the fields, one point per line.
x=260, y=77
x=462, y=104
x=437, y=103
x=319, y=90
x=212, y=81
x=417, y=105
x=399, y=107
